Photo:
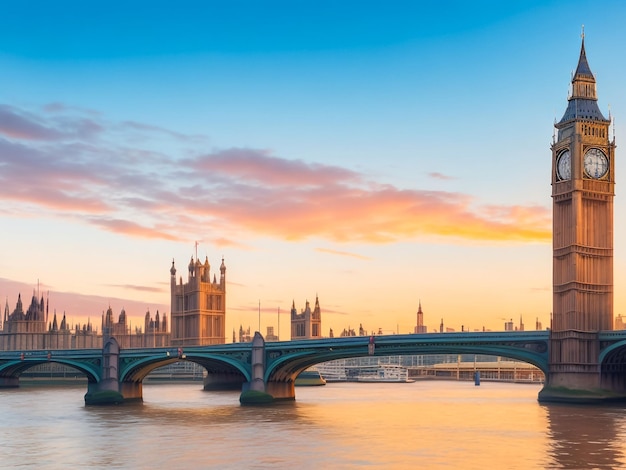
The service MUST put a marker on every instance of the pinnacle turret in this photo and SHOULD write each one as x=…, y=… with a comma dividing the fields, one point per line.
x=173, y=269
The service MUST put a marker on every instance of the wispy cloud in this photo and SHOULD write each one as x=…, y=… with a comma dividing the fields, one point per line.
x=141, y=288
x=258, y=166
x=21, y=125
x=132, y=229
x=440, y=176
x=73, y=164
x=166, y=132
x=341, y=253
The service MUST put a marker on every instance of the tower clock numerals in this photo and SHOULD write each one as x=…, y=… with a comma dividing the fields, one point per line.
x=596, y=163
x=564, y=165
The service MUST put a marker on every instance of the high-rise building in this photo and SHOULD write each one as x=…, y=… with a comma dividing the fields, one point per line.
x=583, y=180
x=419, y=327
x=198, y=306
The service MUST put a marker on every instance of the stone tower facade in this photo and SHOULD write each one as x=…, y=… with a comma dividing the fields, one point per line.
x=583, y=180
x=308, y=323
x=198, y=306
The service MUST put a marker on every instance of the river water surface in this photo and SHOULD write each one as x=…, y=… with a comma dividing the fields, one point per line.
x=430, y=425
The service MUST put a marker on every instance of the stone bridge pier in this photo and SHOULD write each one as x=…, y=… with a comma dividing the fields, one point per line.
x=281, y=390
x=107, y=390
x=131, y=391
x=257, y=391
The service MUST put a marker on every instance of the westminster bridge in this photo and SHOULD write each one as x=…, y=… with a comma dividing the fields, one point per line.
x=270, y=368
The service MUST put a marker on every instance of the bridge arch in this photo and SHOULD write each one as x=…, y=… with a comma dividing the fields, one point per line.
x=613, y=354
x=612, y=360
x=136, y=369
x=15, y=368
x=285, y=365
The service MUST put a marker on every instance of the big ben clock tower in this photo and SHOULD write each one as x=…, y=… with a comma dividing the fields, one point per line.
x=583, y=180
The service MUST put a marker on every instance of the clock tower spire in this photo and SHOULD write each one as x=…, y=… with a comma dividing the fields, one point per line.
x=583, y=180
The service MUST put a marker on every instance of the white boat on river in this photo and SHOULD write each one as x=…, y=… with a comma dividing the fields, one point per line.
x=384, y=373
x=361, y=370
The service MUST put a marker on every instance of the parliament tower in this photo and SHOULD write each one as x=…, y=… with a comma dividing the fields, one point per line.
x=198, y=306
x=583, y=180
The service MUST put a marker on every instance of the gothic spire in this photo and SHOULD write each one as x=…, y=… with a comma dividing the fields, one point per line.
x=6, y=310
x=583, y=101
x=583, y=68
x=583, y=81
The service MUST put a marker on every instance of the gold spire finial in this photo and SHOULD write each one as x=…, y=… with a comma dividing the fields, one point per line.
x=582, y=33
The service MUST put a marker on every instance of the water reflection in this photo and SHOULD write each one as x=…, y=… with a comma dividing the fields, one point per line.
x=586, y=436
x=174, y=405
x=435, y=425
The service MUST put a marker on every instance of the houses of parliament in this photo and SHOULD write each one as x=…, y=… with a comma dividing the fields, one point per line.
x=34, y=329
x=197, y=318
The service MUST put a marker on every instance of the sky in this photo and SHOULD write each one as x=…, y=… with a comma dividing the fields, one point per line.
x=377, y=155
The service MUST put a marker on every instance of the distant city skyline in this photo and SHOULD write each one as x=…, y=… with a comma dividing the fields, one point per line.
x=372, y=156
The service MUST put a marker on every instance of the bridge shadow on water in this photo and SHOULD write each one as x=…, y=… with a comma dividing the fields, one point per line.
x=176, y=404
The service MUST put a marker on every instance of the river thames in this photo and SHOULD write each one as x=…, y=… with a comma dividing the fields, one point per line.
x=427, y=424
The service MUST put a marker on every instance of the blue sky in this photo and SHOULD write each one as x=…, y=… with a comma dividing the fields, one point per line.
x=373, y=154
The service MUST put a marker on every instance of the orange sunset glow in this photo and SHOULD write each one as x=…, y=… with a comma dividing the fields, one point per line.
x=373, y=176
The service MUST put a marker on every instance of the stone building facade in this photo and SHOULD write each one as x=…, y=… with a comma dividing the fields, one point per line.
x=198, y=306
x=308, y=323
x=154, y=334
x=34, y=330
x=198, y=318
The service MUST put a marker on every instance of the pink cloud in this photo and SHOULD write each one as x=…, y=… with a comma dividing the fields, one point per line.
x=259, y=166
x=54, y=199
x=341, y=253
x=228, y=242
x=165, y=289
x=102, y=174
x=440, y=176
x=133, y=229
x=346, y=214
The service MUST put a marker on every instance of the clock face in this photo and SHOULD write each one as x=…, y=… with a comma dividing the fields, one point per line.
x=564, y=165
x=596, y=163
